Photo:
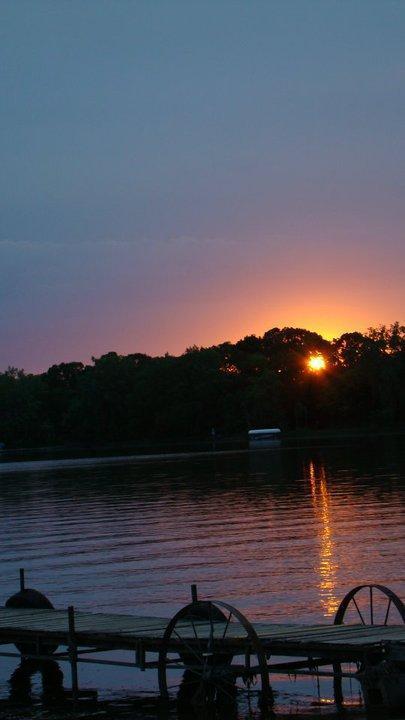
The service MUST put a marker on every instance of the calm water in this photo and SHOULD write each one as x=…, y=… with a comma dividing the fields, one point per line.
x=281, y=535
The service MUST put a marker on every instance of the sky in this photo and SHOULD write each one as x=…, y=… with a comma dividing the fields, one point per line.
x=180, y=172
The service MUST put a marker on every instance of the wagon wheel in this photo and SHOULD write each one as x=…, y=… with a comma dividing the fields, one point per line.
x=28, y=598
x=201, y=640
x=366, y=605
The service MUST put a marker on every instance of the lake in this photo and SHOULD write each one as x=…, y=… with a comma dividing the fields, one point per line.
x=281, y=534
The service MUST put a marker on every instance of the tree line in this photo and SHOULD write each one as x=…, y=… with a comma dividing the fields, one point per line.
x=255, y=382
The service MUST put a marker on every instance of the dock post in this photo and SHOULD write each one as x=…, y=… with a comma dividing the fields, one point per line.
x=73, y=652
x=194, y=597
x=22, y=580
x=140, y=655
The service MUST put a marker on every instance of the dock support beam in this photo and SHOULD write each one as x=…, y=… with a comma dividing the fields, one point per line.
x=22, y=580
x=73, y=652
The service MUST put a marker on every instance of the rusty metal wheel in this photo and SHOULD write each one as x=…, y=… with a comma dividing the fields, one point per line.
x=371, y=605
x=28, y=598
x=368, y=604
x=219, y=652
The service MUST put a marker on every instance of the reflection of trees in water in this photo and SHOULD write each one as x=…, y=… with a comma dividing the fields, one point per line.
x=21, y=681
x=327, y=566
x=193, y=479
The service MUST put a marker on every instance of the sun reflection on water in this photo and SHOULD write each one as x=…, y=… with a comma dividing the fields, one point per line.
x=327, y=567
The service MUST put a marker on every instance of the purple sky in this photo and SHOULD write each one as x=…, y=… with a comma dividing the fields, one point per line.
x=190, y=172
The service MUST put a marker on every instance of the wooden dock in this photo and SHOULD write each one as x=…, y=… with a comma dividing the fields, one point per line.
x=129, y=632
x=215, y=645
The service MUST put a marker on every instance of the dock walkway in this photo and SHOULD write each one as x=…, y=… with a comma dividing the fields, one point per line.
x=127, y=631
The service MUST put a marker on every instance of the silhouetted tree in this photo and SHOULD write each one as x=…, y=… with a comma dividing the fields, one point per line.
x=257, y=381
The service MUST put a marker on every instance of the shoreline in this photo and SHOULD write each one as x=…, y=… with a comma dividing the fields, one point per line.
x=224, y=440
x=288, y=443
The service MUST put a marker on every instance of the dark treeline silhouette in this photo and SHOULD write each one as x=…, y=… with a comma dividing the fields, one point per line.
x=256, y=382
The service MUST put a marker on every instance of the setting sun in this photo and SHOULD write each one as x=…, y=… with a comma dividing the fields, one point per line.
x=316, y=363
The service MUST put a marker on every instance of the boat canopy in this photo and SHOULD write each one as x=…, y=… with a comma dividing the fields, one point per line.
x=265, y=431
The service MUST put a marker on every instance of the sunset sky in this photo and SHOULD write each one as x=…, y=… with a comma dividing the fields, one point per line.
x=179, y=172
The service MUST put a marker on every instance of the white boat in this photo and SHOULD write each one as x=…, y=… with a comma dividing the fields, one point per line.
x=264, y=438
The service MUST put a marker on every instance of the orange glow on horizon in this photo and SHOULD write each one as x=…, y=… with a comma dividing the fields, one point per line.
x=316, y=363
